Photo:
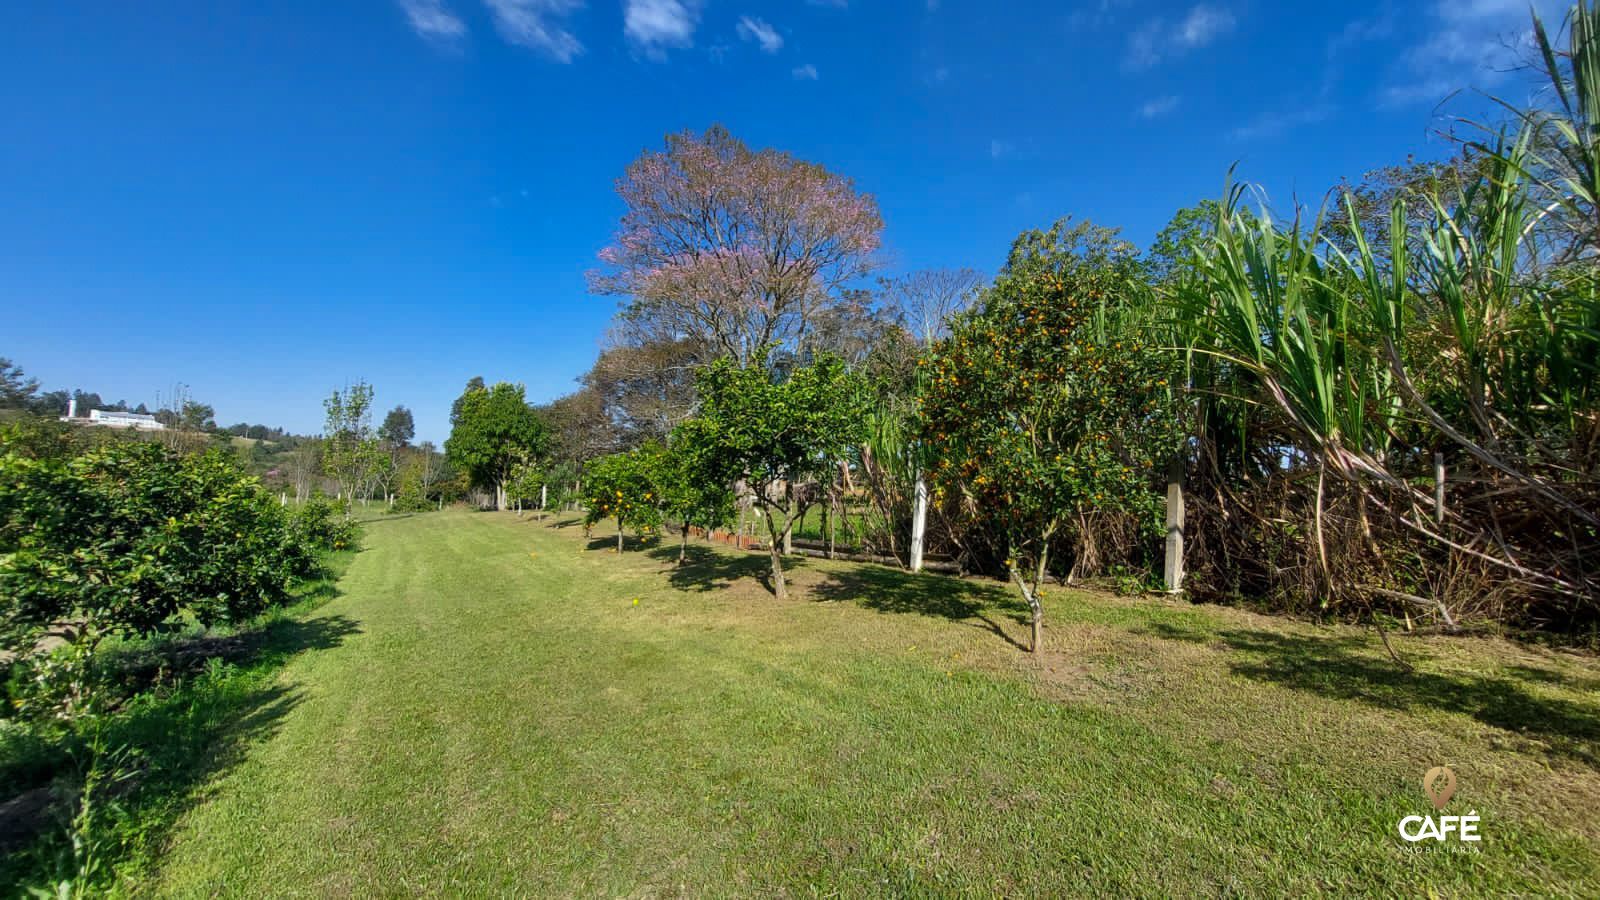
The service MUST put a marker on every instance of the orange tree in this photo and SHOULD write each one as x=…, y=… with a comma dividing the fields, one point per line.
x=1043, y=404
x=692, y=491
x=773, y=430
x=623, y=486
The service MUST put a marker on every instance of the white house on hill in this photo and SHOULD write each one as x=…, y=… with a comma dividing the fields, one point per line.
x=117, y=419
x=112, y=418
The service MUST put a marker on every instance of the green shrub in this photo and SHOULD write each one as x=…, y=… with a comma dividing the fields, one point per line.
x=319, y=523
x=132, y=539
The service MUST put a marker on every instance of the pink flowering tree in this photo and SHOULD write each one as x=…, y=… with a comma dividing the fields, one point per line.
x=732, y=248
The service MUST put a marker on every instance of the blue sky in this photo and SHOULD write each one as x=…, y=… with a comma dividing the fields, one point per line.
x=268, y=200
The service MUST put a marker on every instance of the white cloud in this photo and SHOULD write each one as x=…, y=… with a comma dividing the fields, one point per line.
x=1095, y=15
x=1160, y=106
x=1361, y=31
x=654, y=26
x=1160, y=38
x=1274, y=124
x=759, y=31
x=430, y=19
x=807, y=72
x=537, y=24
x=1468, y=43
x=1203, y=24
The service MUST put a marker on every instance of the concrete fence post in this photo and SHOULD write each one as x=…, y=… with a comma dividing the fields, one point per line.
x=919, y=522
x=1172, y=569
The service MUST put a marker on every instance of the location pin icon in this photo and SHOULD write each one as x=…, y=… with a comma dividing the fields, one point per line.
x=1439, y=784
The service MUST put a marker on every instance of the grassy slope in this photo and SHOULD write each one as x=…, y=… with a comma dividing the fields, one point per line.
x=506, y=719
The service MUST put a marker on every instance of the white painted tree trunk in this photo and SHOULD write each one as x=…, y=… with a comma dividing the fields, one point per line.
x=919, y=522
x=788, y=528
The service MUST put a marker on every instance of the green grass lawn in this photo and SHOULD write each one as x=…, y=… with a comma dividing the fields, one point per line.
x=499, y=707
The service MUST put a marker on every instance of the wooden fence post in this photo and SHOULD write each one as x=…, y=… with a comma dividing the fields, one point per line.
x=1172, y=570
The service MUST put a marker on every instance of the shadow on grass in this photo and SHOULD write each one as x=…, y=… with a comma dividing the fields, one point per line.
x=705, y=569
x=193, y=720
x=631, y=543
x=892, y=591
x=1351, y=668
x=271, y=644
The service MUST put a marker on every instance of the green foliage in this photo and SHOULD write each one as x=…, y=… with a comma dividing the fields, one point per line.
x=398, y=428
x=351, y=453
x=318, y=524
x=1173, y=252
x=773, y=432
x=623, y=486
x=133, y=539
x=17, y=390
x=524, y=483
x=766, y=429
x=1042, y=405
x=688, y=493
x=492, y=430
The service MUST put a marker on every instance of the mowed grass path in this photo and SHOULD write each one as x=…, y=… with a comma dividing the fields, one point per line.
x=517, y=714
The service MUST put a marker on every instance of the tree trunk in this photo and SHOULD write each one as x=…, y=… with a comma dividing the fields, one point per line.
x=683, y=546
x=1030, y=592
x=619, y=535
x=780, y=591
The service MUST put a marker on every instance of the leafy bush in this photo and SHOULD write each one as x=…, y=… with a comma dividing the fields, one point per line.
x=320, y=524
x=131, y=539
x=410, y=500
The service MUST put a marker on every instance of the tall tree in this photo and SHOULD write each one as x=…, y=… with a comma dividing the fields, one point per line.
x=580, y=428
x=495, y=429
x=50, y=403
x=926, y=300
x=350, y=451
x=645, y=386
x=16, y=389
x=473, y=383
x=398, y=429
x=395, y=436
x=735, y=248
